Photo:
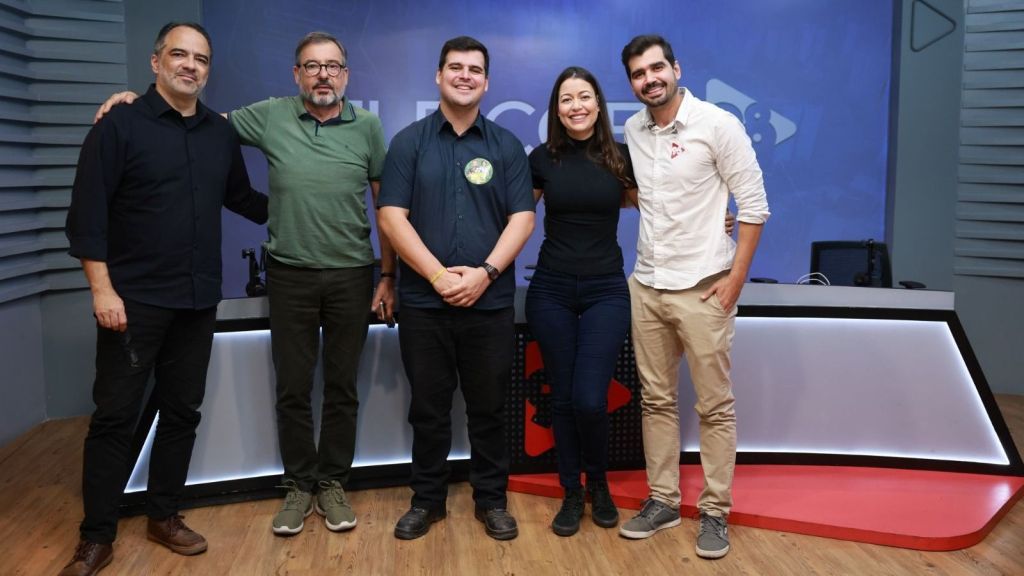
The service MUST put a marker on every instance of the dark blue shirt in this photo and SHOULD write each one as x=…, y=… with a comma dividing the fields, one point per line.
x=147, y=201
x=460, y=191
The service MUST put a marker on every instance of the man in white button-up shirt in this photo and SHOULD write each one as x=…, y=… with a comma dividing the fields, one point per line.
x=688, y=157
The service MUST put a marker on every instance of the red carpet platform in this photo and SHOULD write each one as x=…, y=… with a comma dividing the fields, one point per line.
x=922, y=510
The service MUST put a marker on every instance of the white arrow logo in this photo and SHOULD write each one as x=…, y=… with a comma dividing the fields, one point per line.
x=718, y=92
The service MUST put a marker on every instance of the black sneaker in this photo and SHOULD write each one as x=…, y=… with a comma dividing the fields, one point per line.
x=498, y=523
x=602, y=507
x=567, y=521
x=416, y=522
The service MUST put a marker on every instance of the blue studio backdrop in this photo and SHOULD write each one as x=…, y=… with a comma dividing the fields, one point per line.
x=811, y=79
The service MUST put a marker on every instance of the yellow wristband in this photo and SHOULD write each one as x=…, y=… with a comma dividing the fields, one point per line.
x=437, y=275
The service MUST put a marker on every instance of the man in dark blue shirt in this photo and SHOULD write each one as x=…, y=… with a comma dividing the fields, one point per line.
x=145, y=222
x=457, y=204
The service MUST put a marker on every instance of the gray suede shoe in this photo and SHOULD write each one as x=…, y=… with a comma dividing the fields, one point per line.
x=652, y=517
x=712, y=536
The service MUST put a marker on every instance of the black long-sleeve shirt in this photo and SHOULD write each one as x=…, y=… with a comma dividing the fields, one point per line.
x=147, y=198
x=582, y=201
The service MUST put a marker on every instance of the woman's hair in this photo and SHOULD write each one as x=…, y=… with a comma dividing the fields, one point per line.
x=603, y=148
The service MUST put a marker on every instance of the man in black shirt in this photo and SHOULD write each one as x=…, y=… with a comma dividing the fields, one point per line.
x=145, y=222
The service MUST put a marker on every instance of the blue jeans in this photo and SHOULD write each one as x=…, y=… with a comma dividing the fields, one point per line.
x=580, y=323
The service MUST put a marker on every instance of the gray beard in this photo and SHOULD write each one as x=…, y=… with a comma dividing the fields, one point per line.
x=323, y=101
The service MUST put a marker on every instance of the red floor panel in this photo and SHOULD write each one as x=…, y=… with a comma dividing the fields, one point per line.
x=917, y=509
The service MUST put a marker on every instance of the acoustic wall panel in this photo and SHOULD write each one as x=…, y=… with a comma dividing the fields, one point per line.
x=59, y=60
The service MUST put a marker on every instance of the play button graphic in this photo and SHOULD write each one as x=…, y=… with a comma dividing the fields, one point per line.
x=538, y=435
x=928, y=25
x=764, y=126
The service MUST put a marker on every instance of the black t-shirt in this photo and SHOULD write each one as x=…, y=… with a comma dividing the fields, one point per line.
x=582, y=200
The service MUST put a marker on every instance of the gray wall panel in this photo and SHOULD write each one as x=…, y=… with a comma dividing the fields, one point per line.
x=927, y=153
x=58, y=60
x=21, y=346
x=989, y=232
x=69, y=352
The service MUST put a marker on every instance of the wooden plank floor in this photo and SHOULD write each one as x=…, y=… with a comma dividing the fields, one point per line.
x=40, y=499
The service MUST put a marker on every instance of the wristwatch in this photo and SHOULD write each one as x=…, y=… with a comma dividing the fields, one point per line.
x=492, y=272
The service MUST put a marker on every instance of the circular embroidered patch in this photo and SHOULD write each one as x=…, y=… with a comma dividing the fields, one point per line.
x=479, y=171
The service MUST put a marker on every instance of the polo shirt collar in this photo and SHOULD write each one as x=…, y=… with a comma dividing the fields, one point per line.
x=348, y=112
x=682, y=115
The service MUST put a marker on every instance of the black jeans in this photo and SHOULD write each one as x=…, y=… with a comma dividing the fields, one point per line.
x=443, y=349
x=302, y=301
x=174, y=346
x=580, y=323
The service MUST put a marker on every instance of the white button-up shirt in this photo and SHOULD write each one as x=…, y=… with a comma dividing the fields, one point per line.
x=685, y=173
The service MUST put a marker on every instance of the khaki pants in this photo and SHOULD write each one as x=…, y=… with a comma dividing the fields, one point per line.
x=667, y=324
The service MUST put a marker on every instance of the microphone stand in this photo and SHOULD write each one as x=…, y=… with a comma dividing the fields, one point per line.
x=255, y=286
x=871, y=262
x=867, y=278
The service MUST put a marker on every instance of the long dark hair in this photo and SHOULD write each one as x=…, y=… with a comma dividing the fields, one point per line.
x=602, y=148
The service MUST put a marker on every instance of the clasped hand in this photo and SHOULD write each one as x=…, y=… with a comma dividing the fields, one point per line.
x=462, y=286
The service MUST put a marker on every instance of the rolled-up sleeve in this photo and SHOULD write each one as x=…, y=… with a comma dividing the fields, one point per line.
x=100, y=164
x=737, y=163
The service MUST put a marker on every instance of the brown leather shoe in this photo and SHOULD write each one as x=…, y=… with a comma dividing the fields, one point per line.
x=173, y=533
x=89, y=559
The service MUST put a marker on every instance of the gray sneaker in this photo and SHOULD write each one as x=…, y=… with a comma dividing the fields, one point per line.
x=333, y=506
x=297, y=505
x=653, y=516
x=712, y=536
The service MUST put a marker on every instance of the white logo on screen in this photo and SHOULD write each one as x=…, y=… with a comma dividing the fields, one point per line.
x=749, y=112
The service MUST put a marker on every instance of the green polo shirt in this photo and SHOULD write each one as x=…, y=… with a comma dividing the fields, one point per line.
x=318, y=176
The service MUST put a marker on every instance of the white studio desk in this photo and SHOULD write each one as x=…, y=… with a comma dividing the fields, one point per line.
x=833, y=374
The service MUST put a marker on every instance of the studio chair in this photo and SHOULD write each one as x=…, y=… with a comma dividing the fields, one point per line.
x=855, y=263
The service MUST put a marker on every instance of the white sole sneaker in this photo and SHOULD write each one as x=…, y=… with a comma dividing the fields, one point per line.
x=340, y=526
x=639, y=534
x=712, y=554
x=288, y=531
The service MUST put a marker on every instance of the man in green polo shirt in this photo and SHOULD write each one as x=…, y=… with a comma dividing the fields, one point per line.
x=322, y=152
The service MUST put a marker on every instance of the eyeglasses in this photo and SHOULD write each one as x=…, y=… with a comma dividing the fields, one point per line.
x=314, y=68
